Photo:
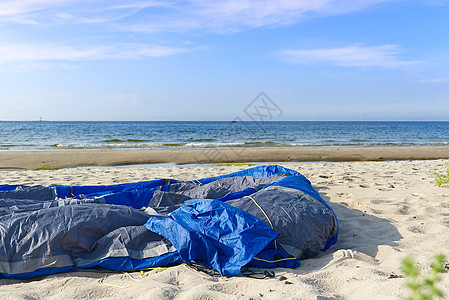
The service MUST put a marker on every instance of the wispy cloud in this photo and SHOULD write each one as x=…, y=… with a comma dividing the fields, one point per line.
x=49, y=11
x=108, y=11
x=20, y=7
x=167, y=16
x=435, y=80
x=48, y=52
x=133, y=98
x=235, y=15
x=385, y=56
x=164, y=15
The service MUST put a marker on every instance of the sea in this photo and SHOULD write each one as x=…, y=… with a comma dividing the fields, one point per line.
x=63, y=135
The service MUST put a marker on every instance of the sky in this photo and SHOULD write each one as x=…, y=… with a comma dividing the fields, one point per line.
x=209, y=60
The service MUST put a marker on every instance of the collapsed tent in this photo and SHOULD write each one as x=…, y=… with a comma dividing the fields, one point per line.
x=266, y=216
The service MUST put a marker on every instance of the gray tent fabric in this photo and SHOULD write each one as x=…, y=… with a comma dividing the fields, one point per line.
x=43, y=232
x=166, y=201
x=74, y=235
x=284, y=208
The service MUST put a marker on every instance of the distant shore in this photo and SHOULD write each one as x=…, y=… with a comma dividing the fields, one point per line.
x=17, y=160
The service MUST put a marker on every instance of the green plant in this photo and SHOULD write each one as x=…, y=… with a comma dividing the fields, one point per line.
x=441, y=178
x=423, y=288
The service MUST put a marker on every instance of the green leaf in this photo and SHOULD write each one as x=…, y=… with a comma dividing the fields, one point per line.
x=423, y=288
x=441, y=179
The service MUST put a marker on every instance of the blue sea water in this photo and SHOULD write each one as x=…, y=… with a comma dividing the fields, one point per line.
x=45, y=135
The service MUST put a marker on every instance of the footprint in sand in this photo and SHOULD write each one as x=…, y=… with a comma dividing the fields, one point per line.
x=347, y=178
x=416, y=229
x=431, y=210
x=365, y=186
x=445, y=222
x=381, y=201
x=404, y=210
x=341, y=194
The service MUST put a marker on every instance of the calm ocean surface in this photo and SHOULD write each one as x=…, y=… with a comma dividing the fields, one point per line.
x=45, y=135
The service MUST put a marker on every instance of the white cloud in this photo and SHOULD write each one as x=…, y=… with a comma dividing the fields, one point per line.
x=435, y=80
x=19, y=7
x=50, y=52
x=236, y=15
x=30, y=52
x=386, y=56
x=133, y=98
x=48, y=11
x=164, y=15
x=106, y=13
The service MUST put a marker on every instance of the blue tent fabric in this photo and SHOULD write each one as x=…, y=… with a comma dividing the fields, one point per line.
x=205, y=234
x=266, y=216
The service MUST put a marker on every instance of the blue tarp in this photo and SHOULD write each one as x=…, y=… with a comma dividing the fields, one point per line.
x=266, y=216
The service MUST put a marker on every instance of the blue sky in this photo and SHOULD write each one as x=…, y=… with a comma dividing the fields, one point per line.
x=207, y=60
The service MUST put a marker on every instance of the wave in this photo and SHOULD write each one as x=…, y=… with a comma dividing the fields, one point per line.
x=162, y=145
x=125, y=141
x=234, y=144
x=201, y=140
x=172, y=144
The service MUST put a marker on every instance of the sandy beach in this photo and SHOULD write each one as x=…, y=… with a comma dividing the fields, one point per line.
x=17, y=160
x=387, y=210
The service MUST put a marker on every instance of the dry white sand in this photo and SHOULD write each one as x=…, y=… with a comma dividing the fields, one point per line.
x=386, y=211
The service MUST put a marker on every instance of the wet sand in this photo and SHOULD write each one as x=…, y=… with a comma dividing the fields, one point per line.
x=10, y=160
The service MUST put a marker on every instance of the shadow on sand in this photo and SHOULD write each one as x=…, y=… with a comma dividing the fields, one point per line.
x=360, y=234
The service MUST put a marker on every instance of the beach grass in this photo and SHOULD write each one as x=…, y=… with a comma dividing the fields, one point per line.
x=441, y=178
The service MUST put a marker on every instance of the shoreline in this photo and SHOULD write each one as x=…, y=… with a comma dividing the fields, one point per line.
x=20, y=160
